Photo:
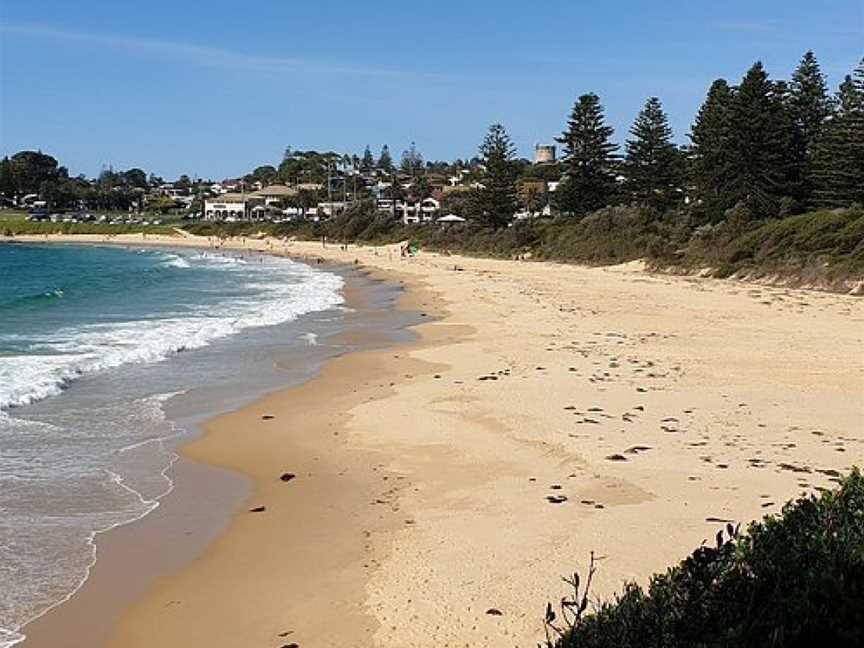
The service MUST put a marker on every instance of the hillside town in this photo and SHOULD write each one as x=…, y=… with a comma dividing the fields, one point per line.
x=307, y=185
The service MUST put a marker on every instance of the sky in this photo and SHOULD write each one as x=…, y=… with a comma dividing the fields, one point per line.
x=214, y=89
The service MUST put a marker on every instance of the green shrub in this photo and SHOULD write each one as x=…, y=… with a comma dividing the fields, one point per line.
x=795, y=580
x=827, y=245
x=830, y=243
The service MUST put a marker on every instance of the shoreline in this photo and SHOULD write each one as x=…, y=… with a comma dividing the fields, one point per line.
x=121, y=569
x=655, y=405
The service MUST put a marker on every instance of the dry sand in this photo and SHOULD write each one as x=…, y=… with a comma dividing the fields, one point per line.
x=658, y=406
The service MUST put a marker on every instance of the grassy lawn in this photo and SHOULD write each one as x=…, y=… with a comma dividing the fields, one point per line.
x=14, y=222
x=12, y=215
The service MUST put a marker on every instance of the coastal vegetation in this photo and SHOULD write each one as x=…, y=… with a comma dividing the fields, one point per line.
x=772, y=183
x=822, y=248
x=34, y=173
x=792, y=580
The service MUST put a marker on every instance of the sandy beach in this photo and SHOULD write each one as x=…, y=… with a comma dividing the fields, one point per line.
x=543, y=412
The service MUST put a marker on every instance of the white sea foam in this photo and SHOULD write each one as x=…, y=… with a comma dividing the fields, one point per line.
x=9, y=638
x=150, y=407
x=177, y=262
x=285, y=291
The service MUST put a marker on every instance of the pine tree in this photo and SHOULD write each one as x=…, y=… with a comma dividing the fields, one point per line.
x=796, y=187
x=497, y=201
x=809, y=106
x=809, y=99
x=838, y=164
x=412, y=161
x=385, y=161
x=711, y=160
x=760, y=139
x=368, y=162
x=590, y=161
x=652, y=166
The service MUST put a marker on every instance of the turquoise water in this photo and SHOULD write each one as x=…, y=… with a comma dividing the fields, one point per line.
x=94, y=343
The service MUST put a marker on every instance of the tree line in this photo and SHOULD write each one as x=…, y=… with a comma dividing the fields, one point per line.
x=37, y=173
x=768, y=148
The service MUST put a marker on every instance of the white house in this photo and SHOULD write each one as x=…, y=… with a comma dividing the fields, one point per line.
x=228, y=205
x=422, y=212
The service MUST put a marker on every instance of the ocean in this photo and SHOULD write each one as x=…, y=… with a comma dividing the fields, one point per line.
x=98, y=345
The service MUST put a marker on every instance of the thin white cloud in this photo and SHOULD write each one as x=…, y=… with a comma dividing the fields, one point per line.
x=200, y=55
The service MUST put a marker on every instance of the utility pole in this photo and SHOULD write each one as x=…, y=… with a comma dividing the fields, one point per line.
x=330, y=188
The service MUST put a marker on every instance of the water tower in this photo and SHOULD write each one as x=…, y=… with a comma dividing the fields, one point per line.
x=544, y=154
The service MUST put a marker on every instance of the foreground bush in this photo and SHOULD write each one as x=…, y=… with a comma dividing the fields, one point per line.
x=795, y=580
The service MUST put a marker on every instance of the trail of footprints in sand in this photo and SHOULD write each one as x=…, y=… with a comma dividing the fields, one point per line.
x=613, y=361
x=613, y=364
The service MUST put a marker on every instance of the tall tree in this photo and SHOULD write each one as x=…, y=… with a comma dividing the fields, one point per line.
x=590, y=159
x=368, y=162
x=796, y=186
x=136, y=177
x=184, y=182
x=31, y=168
x=265, y=174
x=809, y=98
x=711, y=159
x=760, y=142
x=653, y=166
x=385, y=160
x=809, y=107
x=838, y=164
x=412, y=161
x=497, y=201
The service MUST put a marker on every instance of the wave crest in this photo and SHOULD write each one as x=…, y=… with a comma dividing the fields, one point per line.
x=280, y=296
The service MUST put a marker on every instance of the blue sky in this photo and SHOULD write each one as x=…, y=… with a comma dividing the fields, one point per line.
x=213, y=89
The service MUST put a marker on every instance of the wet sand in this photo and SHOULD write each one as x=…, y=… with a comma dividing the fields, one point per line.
x=544, y=412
